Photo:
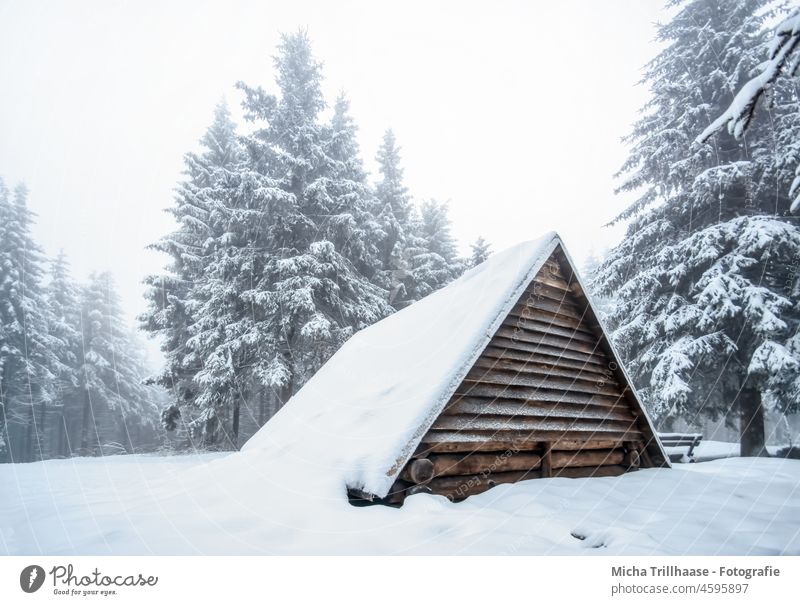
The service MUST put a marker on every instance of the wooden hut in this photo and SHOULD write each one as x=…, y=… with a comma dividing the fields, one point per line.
x=504, y=375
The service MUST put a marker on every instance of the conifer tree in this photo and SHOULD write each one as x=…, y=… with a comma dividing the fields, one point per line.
x=395, y=215
x=204, y=203
x=432, y=255
x=28, y=365
x=64, y=312
x=110, y=373
x=284, y=289
x=705, y=310
x=782, y=59
x=480, y=252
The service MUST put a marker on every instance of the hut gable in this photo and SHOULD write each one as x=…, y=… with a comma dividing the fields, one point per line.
x=504, y=374
x=547, y=397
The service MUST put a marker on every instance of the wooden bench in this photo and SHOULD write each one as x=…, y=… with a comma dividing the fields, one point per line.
x=689, y=440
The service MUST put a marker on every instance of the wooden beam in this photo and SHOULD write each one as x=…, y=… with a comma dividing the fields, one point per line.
x=552, y=369
x=549, y=350
x=419, y=471
x=498, y=407
x=495, y=424
x=547, y=460
x=550, y=340
x=528, y=394
x=495, y=441
x=483, y=463
x=458, y=488
x=587, y=458
x=544, y=327
x=541, y=380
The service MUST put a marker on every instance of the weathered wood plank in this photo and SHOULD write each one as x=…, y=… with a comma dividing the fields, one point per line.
x=553, y=280
x=492, y=353
x=481, y=463
x=544, y=289
x=504, y=363
x=543, y=327
x=541, y=349
x=438, y=442
x=550, y=318
x=587, y=458
x=586, y=445
x=430, y=446
x=551, y=267
x=483, y=376
x=473, y=406
x=544, y=304
x=527, y=394
x=460, y=487
x=552, y=340
x=485, y=370
x=505, y=423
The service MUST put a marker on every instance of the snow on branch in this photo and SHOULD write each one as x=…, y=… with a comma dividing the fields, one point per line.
x=782, y=58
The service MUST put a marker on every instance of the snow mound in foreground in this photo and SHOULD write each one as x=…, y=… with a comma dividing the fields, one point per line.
x=240, y=504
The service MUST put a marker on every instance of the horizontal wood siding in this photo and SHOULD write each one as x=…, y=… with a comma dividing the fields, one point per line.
x=543, y=399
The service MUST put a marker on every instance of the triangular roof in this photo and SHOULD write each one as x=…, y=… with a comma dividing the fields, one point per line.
x=361, y=417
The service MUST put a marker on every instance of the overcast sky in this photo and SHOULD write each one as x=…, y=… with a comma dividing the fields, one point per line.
x=512, y=111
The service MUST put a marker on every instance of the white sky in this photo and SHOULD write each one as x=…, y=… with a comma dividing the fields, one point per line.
x=512, y=111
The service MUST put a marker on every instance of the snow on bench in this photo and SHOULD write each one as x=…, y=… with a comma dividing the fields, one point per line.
x=680, y=440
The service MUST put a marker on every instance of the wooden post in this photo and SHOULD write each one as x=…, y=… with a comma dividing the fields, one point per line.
x=547, y=460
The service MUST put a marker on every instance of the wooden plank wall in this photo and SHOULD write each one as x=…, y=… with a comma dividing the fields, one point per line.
x=543, y=400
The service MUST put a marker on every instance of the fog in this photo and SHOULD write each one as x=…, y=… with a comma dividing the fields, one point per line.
x=512, y=111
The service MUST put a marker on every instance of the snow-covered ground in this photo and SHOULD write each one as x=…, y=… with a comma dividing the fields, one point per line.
x=241, y=504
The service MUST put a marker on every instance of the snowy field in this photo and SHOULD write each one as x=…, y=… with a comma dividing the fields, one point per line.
x=237, y=504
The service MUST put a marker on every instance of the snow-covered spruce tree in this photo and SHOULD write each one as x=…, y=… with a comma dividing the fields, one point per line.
x=110, y=377
x=480, y=251
x=64, y=313
x=351, y=227
x=284, y=290
x=28, y=365
x=782, y=59
x=201, y=208
x=432, y=254
x=706, y=279
x=395, y=215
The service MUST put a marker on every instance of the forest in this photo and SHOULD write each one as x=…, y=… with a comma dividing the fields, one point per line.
x=284, y=246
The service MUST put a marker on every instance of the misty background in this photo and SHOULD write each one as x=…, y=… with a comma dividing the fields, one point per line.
x=100, y=100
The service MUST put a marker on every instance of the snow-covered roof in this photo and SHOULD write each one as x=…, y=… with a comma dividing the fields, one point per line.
x=361, y=416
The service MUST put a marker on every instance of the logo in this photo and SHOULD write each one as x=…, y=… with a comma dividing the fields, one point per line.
x=31, y=578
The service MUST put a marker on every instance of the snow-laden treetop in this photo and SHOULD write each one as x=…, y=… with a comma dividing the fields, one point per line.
x=359, y=419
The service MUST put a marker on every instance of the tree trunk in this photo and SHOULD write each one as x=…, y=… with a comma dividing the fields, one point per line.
x=41, y=431
x=752, y=441
x=262, y=408
x=235, y=427
x=63, y=437
x=30, y=434
x=87, y=410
